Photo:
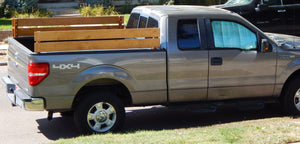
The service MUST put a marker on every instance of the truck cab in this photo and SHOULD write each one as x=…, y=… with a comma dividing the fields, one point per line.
x=213, y=54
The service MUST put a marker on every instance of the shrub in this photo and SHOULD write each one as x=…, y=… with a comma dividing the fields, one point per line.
x=22, y=9
x=22, y=5
x=33, y=14
x=110, y=10
x=87, y=11
x=93, y=3
x=2, y=7
x=97, y=10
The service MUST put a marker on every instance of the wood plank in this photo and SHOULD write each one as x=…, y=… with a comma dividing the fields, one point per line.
x=96, y=34
x=96, y=45
x=30, y=31
x=15, y=28
x=68, y=21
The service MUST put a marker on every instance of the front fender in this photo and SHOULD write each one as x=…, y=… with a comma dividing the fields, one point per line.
x=287, y=71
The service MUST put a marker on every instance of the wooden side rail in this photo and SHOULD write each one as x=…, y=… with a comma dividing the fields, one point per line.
x=76, y=40
x=27, y=27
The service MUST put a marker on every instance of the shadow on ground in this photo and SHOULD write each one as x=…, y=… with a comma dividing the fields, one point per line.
x=158, y=118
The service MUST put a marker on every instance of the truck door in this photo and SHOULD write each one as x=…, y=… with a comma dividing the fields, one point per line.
x=292, y=14
x=272, y=17
x=237, y=69
x=187, y=60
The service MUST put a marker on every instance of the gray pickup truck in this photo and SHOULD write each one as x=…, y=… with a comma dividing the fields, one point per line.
x=207, y=58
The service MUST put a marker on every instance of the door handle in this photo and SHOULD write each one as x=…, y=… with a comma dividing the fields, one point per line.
x=281, y=11
x=216, y=61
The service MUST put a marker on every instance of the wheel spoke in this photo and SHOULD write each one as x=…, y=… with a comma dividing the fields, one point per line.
x=297, y=95
x=99, y=106
x=109, y=123
x=97, y=126
x=110, y=111
x=91, y=116
x=297, y=105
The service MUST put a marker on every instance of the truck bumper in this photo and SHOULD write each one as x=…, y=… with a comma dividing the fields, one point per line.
x=20, y=98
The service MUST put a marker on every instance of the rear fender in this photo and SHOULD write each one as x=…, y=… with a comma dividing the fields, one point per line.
x=103, y=72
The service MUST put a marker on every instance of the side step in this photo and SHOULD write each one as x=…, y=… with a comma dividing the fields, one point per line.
x=205, y=107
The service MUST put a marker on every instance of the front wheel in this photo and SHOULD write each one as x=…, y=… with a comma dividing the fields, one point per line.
x=291, y=100
x=99, y=113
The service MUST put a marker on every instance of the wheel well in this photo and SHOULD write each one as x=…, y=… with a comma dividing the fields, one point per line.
x=105, y=85
x=291, y=78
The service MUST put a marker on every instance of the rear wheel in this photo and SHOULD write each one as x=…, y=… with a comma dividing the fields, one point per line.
x=99, y=113
x=291, y=100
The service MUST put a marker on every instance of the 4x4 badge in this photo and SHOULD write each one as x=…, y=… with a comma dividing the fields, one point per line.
x=66, y=66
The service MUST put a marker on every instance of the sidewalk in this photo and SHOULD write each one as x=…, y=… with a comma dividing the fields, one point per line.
x=3, y=59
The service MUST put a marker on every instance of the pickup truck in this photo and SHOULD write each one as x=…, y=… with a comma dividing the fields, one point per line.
x=205, y=58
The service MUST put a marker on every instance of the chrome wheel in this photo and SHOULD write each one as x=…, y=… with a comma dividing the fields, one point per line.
x=101, y=117
x=297, y=99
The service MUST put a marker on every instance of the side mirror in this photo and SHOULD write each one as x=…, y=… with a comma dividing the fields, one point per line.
x=262, y=5
x=265, y=46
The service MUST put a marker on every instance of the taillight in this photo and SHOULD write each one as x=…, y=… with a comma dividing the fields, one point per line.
x=37, y=72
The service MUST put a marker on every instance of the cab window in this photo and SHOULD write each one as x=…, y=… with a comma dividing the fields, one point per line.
x=275, y=2
x=143, y=22
x=152, y=23
x=137, y=21
x=188, y=34
x=133, y=20
x=233, y=35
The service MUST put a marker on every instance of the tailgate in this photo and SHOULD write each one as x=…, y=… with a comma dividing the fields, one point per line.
x=18, y=59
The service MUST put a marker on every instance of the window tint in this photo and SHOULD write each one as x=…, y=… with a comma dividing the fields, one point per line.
x=274, y=2
x=133, y=20
x=143, y=22
x=233, y=35
x=152, y=23
x=188, y=34
x=288, y=2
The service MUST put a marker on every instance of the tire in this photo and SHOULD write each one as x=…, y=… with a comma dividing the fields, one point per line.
x=99, y=113
x=291, y=99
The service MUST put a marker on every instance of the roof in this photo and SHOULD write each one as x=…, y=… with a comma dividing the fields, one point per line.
x=177, y=10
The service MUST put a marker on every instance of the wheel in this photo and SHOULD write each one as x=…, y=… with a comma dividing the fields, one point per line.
x=291, y=100
x=99, y=113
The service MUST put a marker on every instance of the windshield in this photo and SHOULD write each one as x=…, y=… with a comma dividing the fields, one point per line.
x=238, y=2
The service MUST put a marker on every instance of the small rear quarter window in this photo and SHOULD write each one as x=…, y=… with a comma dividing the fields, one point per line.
x=133, y=20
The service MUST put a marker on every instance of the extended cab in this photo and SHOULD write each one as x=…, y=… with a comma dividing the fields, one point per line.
x=197, y=57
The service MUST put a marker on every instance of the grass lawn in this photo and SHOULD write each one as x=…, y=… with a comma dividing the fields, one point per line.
x=126, y=17
x=5, y=24
x=257, y=131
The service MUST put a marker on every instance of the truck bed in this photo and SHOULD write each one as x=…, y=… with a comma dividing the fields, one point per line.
x=81, y=34
x=28, y=42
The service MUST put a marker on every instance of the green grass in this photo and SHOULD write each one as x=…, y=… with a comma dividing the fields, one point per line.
x=126, y=17
x=269, y=130
x=5, y=24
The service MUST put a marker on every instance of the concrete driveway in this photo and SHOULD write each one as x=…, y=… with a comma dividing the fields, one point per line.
x=30, y=127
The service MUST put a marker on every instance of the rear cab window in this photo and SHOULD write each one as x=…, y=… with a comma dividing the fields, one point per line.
x=138, y=21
